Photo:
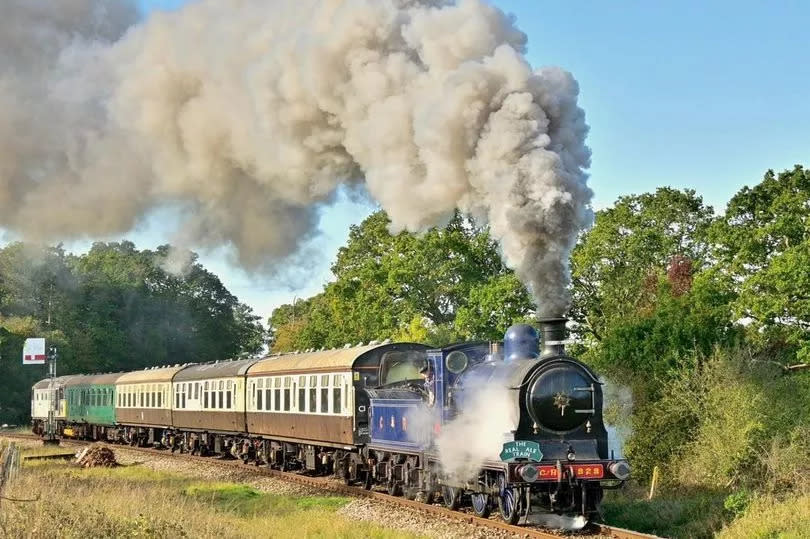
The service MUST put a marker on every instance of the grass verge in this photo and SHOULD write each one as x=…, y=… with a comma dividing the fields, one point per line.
x=133, y=501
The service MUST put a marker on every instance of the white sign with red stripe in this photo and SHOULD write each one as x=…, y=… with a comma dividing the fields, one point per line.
x=34, y=352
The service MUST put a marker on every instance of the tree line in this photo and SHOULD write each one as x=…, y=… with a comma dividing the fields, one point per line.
x=664, y=265
x=112, y=309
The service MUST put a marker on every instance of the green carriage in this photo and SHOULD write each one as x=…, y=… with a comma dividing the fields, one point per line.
x=90, y=405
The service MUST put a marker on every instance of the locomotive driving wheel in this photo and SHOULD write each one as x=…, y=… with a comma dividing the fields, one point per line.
x=451, y=497
x=510, y=501
x=481, y=504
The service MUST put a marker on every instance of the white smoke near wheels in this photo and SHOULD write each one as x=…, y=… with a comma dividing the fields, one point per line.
x=249, y=115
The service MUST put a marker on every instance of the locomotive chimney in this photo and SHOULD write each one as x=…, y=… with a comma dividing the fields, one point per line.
x=552, y=336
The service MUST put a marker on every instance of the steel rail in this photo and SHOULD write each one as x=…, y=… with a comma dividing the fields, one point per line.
x=324, y=483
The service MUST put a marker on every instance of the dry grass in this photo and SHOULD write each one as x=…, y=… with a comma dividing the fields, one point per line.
x=133, y=501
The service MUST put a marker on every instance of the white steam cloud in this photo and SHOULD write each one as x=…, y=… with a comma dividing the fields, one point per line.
x=478, y=433
x=618, y=409
x=250, y=114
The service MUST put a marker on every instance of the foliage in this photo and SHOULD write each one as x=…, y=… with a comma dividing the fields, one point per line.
x=668, y=333
x=434, y=287
x=763, y=242
x=113, y=308
x=735, y=421
x=492, y=307
x=638, y=236
x=769, y=517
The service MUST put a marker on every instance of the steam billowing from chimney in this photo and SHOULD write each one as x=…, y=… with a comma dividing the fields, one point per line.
x=248, y=115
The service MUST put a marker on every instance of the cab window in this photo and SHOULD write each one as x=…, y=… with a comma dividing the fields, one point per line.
x=400, y=366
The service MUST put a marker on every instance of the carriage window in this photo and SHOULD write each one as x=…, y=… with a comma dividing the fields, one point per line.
x=325, y=394
x=228, y=399
x=313, y=394
x=401, y=366
x=336, y=396
x=259, y=400
x=302, y=395
x=287, y=384
x=266, y=398
x=177, y=396
x=221, y=393
x=183, y=397
x=160, y=401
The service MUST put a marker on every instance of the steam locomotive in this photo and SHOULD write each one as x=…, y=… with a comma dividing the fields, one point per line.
x=553, y=457
x=513, y=425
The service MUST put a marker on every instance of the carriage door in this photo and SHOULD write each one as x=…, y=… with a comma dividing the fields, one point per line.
x=361, y=405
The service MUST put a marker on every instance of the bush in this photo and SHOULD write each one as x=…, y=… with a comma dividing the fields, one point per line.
x=732, y=421
x=771, y=517
x=752, y=418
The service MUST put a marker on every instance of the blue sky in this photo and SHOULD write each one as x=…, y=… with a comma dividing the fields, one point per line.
x=706, y=95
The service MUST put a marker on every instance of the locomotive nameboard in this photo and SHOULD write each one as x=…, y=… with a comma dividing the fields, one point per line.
x=521, y=449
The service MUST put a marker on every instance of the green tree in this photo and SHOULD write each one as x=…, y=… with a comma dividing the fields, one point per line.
x=639, y=236
x=406, y=286
x=113, y=308
x=493, y=306
x=668, y=333
x=763, y=242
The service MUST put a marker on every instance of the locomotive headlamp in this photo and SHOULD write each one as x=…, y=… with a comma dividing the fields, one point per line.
x=620, y=470
x=528, y=472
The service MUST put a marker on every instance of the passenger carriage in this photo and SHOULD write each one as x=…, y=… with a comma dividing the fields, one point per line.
x=144, y=404
x=208, y=406
x=90, y=405
x=309, y=410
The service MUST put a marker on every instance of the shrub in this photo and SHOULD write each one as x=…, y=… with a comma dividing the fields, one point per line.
x=771, y=517
x=731, y=420
x=752, y=418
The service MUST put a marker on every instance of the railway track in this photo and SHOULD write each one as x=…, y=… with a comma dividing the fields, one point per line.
x=331, y=485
